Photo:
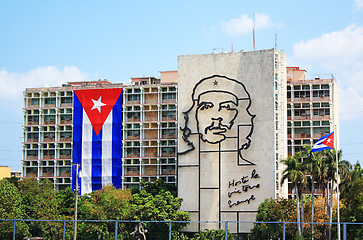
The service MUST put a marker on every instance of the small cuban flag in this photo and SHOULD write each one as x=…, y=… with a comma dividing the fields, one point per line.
x=97, y=138
x=326, y=142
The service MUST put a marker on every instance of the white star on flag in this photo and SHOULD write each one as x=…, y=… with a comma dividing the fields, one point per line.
x=329, y=140
x=97, y=104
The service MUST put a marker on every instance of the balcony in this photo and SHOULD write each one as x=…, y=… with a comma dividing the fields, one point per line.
x=173, y=136
x=33, y=122
x=302, y=135
x=132, y=155
x=168, y=101
x=49, y=139
x=33, y=139
x=321, y=116
x=318, y=135
x=66, y=104
x=32, y=157
x=49, y=122
x=169, y=118
x=133, y=119
x=133, y=101
x=132, y=173
x=48, y=174
x=65, y=174
x=48, y=156
x=321, y=98
x=48, y=105
x=31, y=175
x=168, y=172
x=66, y=121
x=302, y=117
x=65, y=139
x=168, y=154
x=65, y=156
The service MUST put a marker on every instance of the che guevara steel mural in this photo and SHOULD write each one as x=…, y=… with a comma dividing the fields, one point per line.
x=217, y=129
x=219, y=111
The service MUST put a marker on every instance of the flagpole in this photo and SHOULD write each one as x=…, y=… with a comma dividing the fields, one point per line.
x=338, y=179
x=76, y=204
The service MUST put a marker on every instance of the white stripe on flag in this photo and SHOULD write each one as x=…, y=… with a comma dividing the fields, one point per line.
x=86, y=179
x=107, y=151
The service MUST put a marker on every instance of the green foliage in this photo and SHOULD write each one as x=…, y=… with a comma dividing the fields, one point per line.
x=352, y=198
x=272, y=210
x=218, y=234
x=158, y=186
x=11, y=208
x=161, y=207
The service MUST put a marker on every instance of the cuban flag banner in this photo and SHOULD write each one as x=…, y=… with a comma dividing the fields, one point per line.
x=326, y=142
x=97, y=136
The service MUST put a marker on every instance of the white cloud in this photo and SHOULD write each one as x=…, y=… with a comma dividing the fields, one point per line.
x=358, y=4
x=339, y=53
x=13, y=84
x=335, y=48
x=244, y=24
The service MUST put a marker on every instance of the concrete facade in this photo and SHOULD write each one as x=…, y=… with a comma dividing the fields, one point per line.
x=232, y=121
x=149, y=130
x=5, y=172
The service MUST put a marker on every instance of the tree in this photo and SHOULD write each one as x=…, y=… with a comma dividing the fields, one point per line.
x=159, y=185
x=331, y=165
x=107, y=203
x=161, y=207
x=294, y=172
x=352, y=198
x=313, y=164
x=11, y=208
x=272, y=210
x=284, y=210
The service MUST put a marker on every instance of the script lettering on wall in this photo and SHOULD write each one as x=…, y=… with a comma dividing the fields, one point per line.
x=240, y=188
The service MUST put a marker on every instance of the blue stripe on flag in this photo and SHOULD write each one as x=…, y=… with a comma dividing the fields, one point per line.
x=77, y=139
x=116, y=143
x=96, y=160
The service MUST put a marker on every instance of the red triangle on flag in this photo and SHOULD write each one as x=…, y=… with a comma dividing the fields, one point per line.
x=329, y=141
x=98, y=104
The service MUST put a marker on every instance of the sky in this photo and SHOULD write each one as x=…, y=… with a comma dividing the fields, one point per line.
x=48, y=43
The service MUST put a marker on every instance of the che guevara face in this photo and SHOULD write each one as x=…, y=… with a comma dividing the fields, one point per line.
x=215, y=115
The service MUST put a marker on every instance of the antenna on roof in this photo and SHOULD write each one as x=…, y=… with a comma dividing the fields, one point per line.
x=254, y=26
x=276, y=41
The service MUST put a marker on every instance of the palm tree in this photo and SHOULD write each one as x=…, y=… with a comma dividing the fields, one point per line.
x=294, y=173
x=331, y=166
x=313, y=164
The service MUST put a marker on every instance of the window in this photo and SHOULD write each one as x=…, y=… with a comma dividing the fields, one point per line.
x=134, y=97
x=65, y=152
x=49, y=101
x=306, y=123
x=66, y=100
x=49, y=135
x=35, y=101
x=32, y=152
x=325, y=123
x=66, y=117
x=169, y=96
x=169, y=132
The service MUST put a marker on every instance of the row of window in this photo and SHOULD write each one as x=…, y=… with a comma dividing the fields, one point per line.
x=307, y=87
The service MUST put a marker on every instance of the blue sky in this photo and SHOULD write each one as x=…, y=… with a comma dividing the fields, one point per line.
x=47, y=43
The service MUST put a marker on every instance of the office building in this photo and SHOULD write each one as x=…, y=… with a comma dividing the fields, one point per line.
x=149, y=130
x=312, y=110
